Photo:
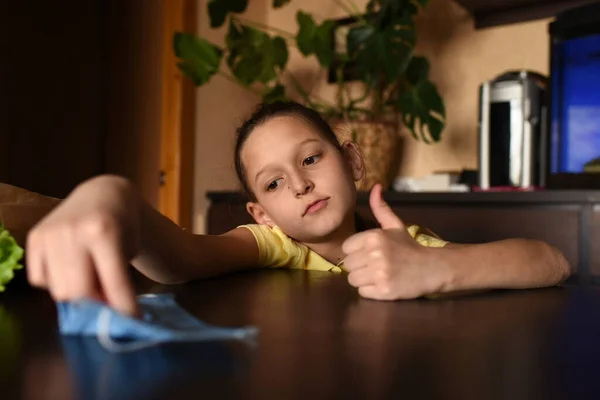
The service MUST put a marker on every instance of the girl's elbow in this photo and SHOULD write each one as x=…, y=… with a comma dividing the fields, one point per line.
x=561, y=264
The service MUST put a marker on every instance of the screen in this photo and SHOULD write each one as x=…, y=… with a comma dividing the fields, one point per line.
x=500, y=118
x=575, y=104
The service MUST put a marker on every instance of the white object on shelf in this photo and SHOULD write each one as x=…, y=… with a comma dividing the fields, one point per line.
x=442, y=182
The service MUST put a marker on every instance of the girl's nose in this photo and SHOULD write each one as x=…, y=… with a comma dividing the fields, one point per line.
x=303, y=187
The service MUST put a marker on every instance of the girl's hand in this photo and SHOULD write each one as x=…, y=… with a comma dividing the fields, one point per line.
x=83, y=247
x=387, y=263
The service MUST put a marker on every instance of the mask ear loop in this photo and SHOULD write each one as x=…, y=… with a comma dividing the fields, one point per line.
x=104, y=318
x=247, y=334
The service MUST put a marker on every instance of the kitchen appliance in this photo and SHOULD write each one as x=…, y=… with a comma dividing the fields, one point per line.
x=512, y=131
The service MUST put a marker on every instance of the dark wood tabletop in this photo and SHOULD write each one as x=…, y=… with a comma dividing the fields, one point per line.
x=318, y=339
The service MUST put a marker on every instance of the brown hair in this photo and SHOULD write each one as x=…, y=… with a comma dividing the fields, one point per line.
x=265, y=112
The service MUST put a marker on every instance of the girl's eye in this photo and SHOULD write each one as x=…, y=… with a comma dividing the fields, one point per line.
x=311, y=160
x=273, y=185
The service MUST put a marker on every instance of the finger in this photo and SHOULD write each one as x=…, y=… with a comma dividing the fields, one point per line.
x=111, y=268
x=34, y=262
x=382, y=211
x=356, y=260
x=56, y=283
x=363, y=258
x=81, y=276
x=361, y=277
x=368, y=240
x=67, y=268
x=55, y=261
x=357, y=242
x=369, y=292
x=374, y=292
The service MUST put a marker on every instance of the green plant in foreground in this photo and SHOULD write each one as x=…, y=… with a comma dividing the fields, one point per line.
x=10, y=256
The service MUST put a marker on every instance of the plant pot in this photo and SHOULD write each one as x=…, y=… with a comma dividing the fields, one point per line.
x=379, y=145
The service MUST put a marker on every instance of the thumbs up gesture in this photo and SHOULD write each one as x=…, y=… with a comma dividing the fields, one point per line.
x=387, y=263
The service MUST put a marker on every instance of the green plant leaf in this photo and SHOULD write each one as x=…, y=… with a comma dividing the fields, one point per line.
x=254, y=55
x=200, y=58
x=423, y=107
x=382, y=53
x=417, y=70
x=232, y=42
x=274, y=94
x=280, y=3
x=10, y=255
x=198, y=76
x=315, y=39
x=249, y=70
x=280, y=52
x=323, y=43
x=219, y=9
x=306, y=31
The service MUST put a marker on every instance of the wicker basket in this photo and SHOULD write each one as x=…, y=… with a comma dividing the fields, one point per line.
x=378, y=143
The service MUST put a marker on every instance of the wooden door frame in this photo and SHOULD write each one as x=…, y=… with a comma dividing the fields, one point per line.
x=177, y=119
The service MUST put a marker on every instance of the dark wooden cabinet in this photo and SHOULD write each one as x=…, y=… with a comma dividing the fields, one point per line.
x=53, y=93
x=488, y=13
x=594, y=254
x=568, y=220
x=80, y=93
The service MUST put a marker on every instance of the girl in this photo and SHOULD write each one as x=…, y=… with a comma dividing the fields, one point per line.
x=300, y=182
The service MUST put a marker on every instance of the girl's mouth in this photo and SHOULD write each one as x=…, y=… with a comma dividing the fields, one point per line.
x=316, y=206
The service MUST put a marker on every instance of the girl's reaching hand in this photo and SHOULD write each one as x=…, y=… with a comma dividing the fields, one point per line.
x=83, y=247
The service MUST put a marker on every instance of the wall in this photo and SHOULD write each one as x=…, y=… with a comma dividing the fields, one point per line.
x=221, y=106
x=461, y=59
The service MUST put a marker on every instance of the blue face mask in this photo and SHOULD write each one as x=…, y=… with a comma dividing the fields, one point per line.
x=163, y=320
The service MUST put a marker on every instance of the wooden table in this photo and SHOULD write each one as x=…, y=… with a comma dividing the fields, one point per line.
x=319, y=340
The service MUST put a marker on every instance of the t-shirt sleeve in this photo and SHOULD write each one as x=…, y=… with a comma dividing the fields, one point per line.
x=276, y=249
x=425, y=238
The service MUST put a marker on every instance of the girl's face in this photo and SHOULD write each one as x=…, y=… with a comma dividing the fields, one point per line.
x=302, y=183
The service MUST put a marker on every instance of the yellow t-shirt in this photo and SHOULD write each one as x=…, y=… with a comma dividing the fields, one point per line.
x=276, y=249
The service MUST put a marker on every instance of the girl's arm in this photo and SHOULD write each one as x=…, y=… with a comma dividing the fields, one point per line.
x=169, y=254
x=511, y=263
x=388, y=264
x=84, y=246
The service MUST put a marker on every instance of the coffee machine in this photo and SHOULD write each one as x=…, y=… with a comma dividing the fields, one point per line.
x=512, y=131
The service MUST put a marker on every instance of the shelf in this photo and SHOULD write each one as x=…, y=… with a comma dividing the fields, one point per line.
x=487, y=13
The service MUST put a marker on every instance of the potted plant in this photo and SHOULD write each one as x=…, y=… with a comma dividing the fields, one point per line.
x=378, y=54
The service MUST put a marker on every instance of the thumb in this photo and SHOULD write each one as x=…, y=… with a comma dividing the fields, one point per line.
x=382, y=211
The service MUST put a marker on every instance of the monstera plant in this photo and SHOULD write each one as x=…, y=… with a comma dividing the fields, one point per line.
x=379, y=56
